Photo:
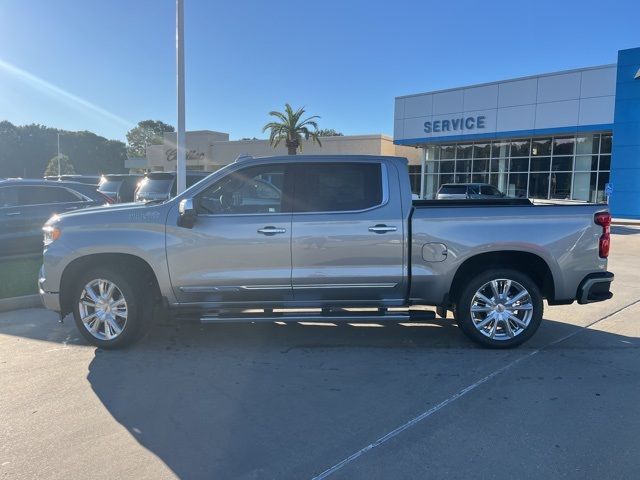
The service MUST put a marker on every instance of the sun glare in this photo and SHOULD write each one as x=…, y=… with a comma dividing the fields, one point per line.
x=60, y=94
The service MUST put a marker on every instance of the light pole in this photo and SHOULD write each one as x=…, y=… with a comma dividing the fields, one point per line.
x=181, y=167
x=58, y=156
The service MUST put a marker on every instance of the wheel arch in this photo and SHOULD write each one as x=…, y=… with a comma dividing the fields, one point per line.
x=131, y=265
x=525, y=262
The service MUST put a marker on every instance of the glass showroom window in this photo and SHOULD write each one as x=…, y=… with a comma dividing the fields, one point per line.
x=415, y=178
x=562, y=167
x=591, y=167
x=519, y=166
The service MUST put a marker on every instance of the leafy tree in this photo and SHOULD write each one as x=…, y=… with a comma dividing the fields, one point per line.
x=147, y=132
x=66, y=167
x=329, y=132
x=26, y=150
x=292, y=129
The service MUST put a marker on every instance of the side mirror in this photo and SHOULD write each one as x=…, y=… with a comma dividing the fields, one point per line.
x=188, y=213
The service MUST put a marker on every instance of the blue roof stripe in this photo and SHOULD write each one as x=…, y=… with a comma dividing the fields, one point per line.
x=508, y=134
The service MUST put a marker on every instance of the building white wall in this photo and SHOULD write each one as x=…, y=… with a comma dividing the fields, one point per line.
x=211, y=150
x=198, y=150
x=574, y=98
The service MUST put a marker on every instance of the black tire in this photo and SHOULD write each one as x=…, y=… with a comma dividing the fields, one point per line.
x=138, y=306
x=465, y=300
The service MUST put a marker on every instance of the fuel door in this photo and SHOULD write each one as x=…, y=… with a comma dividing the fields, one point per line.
x=434, y=252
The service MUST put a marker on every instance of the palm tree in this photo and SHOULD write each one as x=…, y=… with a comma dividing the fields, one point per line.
x=291, y=129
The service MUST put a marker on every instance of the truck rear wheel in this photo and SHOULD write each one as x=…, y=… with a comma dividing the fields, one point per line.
x=500, y=308
x=109, y=308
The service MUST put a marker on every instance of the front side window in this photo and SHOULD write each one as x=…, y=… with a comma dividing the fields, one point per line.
x=252, y=190
x=337, y=187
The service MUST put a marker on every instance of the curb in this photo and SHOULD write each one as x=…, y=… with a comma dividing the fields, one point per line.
x=17, y=303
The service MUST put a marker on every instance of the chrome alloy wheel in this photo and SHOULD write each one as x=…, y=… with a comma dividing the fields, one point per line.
x=103, y=309
x=501, y=309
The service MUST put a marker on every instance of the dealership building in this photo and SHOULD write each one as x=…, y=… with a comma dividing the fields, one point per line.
x=571, y=135
x=210, y=150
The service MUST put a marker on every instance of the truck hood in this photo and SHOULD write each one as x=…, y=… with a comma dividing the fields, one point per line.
x=118, y=213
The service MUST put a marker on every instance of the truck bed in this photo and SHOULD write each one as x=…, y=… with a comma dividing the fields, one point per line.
x=445, y=233
x=466, y=202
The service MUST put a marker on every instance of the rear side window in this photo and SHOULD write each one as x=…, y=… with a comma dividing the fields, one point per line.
x=39, y=195
x=8, y=196
x=337, y=187
x=453, y=189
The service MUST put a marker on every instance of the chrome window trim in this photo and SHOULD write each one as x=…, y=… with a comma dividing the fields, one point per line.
x=385, y=200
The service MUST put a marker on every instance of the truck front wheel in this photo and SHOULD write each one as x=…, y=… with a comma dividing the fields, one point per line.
x=500, y=308
x=109, y=308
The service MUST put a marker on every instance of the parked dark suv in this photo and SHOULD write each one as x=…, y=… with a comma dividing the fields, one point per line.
x=119, y=187
x=25, y=205
x=162, y=185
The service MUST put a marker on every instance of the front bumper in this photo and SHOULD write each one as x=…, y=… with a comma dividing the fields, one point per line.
x=595, y=288
x=50, y=300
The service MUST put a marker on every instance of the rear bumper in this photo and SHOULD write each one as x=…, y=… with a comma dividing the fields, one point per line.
x=595, y=287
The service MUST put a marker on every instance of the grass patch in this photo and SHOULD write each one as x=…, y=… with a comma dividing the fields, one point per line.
x=19, y=275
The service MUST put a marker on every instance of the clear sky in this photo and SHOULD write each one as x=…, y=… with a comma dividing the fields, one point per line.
x=104, y=65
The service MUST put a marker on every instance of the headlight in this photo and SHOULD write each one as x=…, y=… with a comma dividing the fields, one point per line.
x=51, y=233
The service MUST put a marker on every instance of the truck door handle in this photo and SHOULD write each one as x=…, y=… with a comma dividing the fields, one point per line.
x=271, y=230
x=380, y=228
x=71, y=208
x=13, y=214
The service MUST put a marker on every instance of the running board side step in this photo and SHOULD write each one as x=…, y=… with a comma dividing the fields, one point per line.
x=348, y=317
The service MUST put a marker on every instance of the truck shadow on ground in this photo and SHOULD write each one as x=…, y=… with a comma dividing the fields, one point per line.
x=287, y=401
x=273, y=401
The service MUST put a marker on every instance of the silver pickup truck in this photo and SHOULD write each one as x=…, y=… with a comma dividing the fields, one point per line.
x=336, y=237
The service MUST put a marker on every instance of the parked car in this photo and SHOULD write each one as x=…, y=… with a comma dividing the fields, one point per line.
x=119, y=187
x=88, y=179
x=156, y=186
x=457, y=191
x=342, y=232
x=25, y=205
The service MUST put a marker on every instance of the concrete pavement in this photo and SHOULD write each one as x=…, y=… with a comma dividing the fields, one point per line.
x=293, y=401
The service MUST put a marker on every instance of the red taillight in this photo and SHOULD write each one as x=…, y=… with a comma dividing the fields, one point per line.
x=604, y=220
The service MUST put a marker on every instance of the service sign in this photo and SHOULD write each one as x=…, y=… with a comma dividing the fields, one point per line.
x=456, y=124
